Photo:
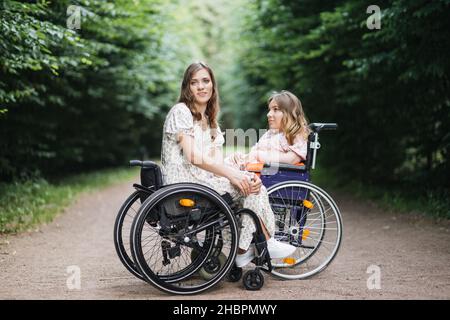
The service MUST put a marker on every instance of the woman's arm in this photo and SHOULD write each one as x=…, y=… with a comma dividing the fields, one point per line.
x=216, y=154
x=278, y=157
x=205, y=162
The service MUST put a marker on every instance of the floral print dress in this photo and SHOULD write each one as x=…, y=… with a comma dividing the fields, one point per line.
x=176, y=168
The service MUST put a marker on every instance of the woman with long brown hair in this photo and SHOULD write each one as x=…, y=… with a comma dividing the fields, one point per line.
x=192, y=152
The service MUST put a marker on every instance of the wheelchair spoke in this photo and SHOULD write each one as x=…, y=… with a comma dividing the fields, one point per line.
x=315, y=230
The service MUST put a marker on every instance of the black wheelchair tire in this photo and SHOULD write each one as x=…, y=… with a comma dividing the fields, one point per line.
x=122, y=253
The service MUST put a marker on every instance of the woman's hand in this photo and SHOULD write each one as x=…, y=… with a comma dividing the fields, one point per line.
x=255, y=184
x=241, y=181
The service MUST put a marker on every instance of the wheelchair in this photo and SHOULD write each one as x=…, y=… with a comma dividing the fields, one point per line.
x=183, y=238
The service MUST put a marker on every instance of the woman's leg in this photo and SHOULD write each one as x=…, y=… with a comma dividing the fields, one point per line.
x=266, y=234
x=258, y=203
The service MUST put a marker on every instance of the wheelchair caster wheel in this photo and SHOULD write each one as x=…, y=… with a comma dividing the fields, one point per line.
x=211, y=266
x=235, y=274
x=253, y=280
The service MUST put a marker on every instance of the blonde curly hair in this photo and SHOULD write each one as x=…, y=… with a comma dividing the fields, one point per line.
x=294, y=121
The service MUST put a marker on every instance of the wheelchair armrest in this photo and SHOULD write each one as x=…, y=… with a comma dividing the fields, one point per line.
x=264, y=167
x=300, y=166
x=254, y=167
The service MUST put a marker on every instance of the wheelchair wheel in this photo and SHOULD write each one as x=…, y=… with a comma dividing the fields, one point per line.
x=211, y=265
x=253, y=280
x=192, y=230
x=122, y=229
x=308, y=218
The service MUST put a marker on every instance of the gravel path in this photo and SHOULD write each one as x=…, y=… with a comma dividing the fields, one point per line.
x=412, y=253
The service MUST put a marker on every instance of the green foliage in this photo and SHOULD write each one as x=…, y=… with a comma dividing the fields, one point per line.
x=73, y=100
x=388, y=89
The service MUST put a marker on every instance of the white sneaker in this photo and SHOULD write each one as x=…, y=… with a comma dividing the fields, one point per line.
x=245, y=258
x=278, y=250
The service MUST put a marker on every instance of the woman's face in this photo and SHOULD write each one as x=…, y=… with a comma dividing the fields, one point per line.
x=274, y=116
x=201, y=86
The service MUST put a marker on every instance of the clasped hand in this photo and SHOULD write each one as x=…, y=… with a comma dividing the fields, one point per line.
x=245, y=182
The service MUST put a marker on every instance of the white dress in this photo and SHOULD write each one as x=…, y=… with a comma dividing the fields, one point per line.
x=176, y=168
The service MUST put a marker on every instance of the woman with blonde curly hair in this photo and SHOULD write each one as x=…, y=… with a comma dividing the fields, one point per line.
x=286, y=139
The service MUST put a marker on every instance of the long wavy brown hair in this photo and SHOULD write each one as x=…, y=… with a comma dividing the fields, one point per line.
x=294, y=121
x=187, y=97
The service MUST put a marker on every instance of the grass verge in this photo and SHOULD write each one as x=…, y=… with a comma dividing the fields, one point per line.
x=403, y=199
x=24, y=205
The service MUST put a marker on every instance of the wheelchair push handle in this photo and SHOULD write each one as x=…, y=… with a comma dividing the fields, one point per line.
x=151, y=175
x=144, y=164
x=313, y=139
x=318, y=126
x=135, y=163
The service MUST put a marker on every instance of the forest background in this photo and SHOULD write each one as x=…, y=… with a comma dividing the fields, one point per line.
x=85, y=85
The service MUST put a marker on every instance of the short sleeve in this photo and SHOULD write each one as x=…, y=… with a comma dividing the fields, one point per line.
x=299, y=147
x=179, y=120
x=219, y=140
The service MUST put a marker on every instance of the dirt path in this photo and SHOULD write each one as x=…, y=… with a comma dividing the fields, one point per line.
x=413, y=254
